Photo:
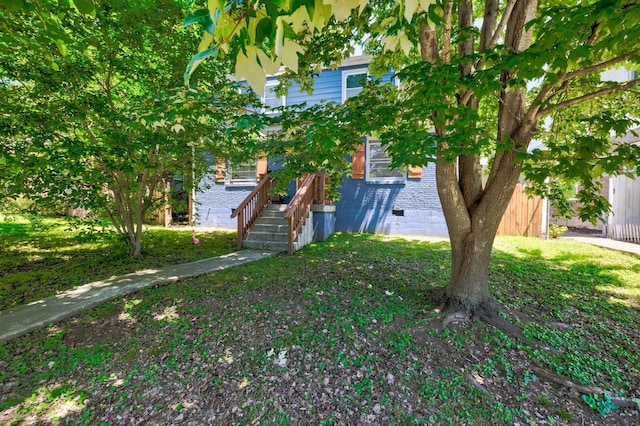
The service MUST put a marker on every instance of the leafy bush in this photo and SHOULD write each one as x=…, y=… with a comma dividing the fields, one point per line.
x=556, y=231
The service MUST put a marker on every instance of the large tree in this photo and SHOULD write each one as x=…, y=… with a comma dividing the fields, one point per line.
x=94, y=114
x=478, y=80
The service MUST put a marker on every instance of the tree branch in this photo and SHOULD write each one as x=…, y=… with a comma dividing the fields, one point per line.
x=600, y=66
x=428, y=43
x=585, y=390
x=491, y=8
x=570, y=102
x=492, y=42
x=503, y=23
x=446, y=33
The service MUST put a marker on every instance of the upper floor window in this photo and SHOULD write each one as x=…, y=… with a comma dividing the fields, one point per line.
x=378, y=163
x=271, y=98
x=353, y=82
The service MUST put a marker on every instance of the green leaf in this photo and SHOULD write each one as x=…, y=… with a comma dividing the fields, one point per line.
x=85, y=6
x=12, y=5
x=290, y=54
x=195, y=61
x=62, y=47
x=282, y=4
x=201, y=17
x=342, y=8
x=247, y=66
x=270, y=66
x=410, y=7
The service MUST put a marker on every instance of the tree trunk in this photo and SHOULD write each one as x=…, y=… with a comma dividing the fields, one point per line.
x=136, y=245
x=472, y=230
x=473, y=213
x=468, y=289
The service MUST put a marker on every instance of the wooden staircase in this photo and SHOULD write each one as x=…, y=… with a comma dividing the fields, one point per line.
x=271, y=231
x=278, y=227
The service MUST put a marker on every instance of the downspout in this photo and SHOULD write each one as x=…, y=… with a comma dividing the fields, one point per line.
x=547, y=208
x=192, y=199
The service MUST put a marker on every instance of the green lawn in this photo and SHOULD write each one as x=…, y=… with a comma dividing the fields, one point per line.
x=342, y=332
x=39, y=259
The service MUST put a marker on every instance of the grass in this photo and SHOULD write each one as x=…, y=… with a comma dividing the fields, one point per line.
x=39, y=258
x=341, y=333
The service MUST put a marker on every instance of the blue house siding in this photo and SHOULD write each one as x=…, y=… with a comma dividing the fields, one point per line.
x=327, y=87
x=369, y=207
x=213, y=206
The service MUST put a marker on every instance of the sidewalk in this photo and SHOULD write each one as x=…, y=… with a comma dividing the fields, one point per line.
x=22, y=319
x=603, y=241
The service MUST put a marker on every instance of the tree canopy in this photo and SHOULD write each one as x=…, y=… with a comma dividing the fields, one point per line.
x=478, y=81
x=94, y=114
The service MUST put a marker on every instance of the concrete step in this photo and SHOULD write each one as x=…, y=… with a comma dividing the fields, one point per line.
x=267, y=236
x=264, y=220
x=272, y=213
x=269, y=245
x=270, y=231
x=276, y=207
x=270, y=227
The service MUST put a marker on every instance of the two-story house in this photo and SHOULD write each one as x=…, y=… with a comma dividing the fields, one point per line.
x=375, y=198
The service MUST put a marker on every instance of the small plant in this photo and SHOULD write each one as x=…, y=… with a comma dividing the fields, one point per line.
x=565, y=414
x=600, y=403
x=556, y=231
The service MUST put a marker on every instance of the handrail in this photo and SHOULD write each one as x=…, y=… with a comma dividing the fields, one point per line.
x=300, y=205
x=251, y=208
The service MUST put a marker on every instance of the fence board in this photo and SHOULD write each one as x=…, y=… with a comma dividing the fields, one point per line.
x=624, y=232
x=523, y=216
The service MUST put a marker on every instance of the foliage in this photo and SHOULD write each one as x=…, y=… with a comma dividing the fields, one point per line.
x=106, y=123
x=556, y=231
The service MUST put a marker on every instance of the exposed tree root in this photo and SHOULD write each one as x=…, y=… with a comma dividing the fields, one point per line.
x=455, y=312
x=477, y=384
x=512, y=330
x=455, y=317
x=587, y=390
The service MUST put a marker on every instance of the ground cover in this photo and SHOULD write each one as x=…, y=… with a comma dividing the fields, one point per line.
x=343, y=333
x=40, y=257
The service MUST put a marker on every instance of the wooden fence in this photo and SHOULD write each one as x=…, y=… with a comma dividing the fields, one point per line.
x=626, y=232
x=523, y=216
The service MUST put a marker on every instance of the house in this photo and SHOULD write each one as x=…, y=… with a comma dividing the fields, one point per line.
x=622, y=192
x=375, y=198
x=623, y=223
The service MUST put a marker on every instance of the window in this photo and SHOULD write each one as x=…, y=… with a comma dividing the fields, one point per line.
x=378, y=165
x=271, y=99
x=242, y=172
x=352, y=83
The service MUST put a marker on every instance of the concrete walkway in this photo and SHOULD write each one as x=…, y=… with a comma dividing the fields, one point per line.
x=602, y=241
x=22, y=319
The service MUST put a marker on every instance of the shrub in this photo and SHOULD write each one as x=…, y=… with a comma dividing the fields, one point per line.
x=556, y=231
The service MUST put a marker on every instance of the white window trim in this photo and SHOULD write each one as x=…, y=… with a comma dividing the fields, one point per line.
x=367, y=166
x=346, y=74
x=263, y=99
